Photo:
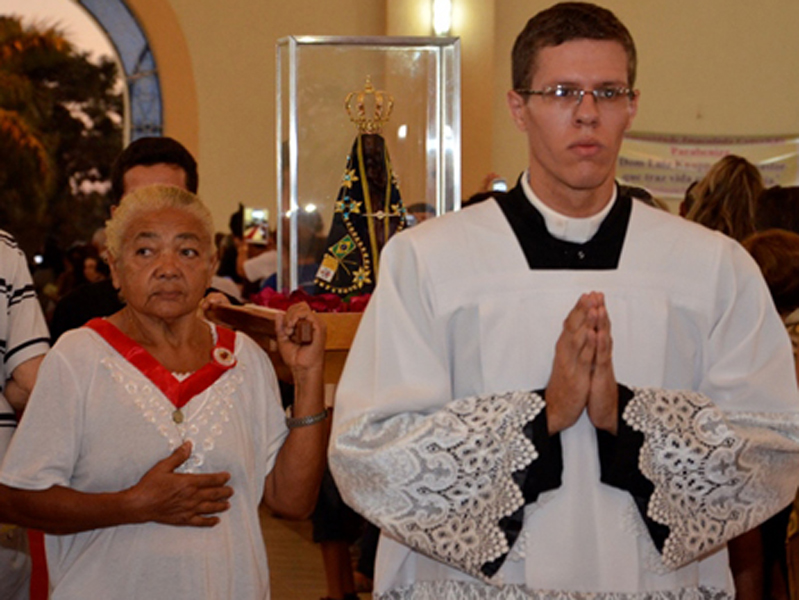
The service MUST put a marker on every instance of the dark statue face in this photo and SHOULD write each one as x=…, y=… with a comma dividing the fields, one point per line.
x=375, y=164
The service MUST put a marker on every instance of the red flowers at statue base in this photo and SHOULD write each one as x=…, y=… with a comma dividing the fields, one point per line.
x=322, y=303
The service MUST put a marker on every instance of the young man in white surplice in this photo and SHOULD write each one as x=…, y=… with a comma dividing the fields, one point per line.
x=560, y=392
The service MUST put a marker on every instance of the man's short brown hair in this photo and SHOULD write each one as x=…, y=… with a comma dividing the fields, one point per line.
x=566, y=22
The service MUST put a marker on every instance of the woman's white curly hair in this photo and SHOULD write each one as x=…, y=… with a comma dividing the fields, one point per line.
x=149, y=199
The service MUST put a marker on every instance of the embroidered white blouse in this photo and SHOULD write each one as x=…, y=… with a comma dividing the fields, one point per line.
x=96, y=424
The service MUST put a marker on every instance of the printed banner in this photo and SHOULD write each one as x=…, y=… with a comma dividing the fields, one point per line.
x=667, y=164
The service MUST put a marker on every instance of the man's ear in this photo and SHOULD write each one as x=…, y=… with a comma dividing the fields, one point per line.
x=517, y=104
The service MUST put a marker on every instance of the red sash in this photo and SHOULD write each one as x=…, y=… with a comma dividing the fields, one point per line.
x=178, y=392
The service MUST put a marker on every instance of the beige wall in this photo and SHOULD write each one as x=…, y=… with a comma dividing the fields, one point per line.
x=706, y=67
x=719, y=67
x=473, y=22
x=232, y=58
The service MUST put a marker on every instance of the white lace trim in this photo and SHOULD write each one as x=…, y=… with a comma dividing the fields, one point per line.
x=441, y=483
x=715, y=475
x=202, y=423
x=462, y=590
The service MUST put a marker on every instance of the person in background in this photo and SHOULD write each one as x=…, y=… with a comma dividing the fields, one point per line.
x=563, y=392
x=146, y=161
x=95, y=269
x=778, y=208
x=226, y=243
x=493, y=186
x=310, y=248
x=776, y=252
x=72, y=277
x=256, y=262
x=247, y=262
x=98, y=241
x=419, y=212
x=222, y=281
x=154, y=418
x=688, y=199
x=45, y=271
x=24, y=340
x=763, y=557
x=725, y=198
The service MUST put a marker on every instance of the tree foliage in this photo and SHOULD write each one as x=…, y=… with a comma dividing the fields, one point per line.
x=60, y=129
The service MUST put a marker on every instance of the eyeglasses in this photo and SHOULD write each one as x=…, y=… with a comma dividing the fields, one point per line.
x=570, y=96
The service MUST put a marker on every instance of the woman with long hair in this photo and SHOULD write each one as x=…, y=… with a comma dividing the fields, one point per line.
x=725, y=198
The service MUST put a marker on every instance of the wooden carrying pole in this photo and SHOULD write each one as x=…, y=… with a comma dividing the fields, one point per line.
x=259, y=323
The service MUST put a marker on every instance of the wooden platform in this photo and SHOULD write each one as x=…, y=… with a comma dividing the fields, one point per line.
x=258, y=323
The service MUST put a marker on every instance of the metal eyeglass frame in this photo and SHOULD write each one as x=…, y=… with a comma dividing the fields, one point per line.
x=557, y=92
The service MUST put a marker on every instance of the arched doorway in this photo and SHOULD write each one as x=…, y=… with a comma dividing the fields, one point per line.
x=144, y=107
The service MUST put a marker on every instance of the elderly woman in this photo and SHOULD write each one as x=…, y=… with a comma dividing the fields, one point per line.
x=154, y=418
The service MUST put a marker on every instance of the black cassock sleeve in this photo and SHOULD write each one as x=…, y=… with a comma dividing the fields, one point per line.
x=618, y=464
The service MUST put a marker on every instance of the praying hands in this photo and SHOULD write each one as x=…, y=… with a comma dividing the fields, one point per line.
x=582, y=371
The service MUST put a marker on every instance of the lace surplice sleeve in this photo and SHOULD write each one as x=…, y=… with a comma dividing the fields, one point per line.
x=447, y=477
x=704, y=466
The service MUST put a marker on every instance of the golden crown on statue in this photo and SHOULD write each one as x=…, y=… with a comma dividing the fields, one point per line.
x=355, y=103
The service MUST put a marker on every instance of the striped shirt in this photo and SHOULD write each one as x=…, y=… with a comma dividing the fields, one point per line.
x=23, y=331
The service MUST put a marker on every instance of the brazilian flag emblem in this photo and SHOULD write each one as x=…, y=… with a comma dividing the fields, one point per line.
x=343, y=247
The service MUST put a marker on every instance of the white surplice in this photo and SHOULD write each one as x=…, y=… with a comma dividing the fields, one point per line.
x=429, y=412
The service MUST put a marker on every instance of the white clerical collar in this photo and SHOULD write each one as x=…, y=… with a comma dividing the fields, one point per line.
x=568, y=229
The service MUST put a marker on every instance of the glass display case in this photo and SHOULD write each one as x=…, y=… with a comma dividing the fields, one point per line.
x=419, y=78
